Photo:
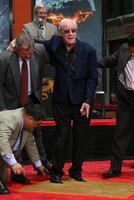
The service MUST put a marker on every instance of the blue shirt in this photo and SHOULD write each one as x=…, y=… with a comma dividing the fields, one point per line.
x=10, y=158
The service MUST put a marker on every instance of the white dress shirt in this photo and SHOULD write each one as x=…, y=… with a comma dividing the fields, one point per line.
x=129, y=74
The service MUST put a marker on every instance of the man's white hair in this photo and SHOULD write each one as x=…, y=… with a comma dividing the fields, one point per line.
x=66, y=21
x=38, y=6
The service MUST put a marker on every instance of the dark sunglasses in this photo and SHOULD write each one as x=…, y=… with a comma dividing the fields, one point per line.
x=70, y=30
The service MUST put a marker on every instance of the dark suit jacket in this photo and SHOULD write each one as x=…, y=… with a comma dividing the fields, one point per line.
x=80, y=85
x=119, y=60
x=10, y=76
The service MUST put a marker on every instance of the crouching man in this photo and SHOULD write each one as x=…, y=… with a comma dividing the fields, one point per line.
x=16, y=128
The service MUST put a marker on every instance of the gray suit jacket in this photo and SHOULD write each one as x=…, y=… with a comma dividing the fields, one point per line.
x=11, y=122
x=119, y=60
x=32, y=29
x=10, y=76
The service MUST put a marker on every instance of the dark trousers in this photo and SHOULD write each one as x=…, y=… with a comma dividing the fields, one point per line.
x=121, y=137
x=3, y=171
x=4, y=167
x=39, y=142
x=63, y=114
x=38, y=133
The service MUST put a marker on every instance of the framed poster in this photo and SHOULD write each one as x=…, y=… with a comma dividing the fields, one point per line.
x=5, y=24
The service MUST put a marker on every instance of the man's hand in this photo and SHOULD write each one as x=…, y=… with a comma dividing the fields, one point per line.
x=85, y=109
x=12, y=46
x=43, y=170
x=114, y=97
x=17, y=168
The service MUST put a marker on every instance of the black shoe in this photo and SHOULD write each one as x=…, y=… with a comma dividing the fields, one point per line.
x=39, y=173
x=20, y=179
x=3, y=188
x=47, y=166
x=77, y=177
x=55, y=179
x=111, y=174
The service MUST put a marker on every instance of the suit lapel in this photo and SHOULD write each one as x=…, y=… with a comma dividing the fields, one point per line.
x=46, y=32
x=24, y=138
x=34, y=68
x=55, y=51
x=126, y=58
x=79, y=55
x=15, y=71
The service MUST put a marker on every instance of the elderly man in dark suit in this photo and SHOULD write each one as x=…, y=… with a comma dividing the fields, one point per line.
x=123, y=59
x=16, y=128
x=20, y=80
x=74, y=88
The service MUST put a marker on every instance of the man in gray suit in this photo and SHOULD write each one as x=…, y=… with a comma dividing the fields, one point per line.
x=123, y=61
x=10, y=72
x=39, y=28
x=16, y=128
x=11, y=65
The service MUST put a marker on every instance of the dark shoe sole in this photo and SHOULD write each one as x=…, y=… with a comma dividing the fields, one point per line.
x=3, y=188
x=24, y=182
x=57, y=182
x=80, y=179
x=5, y=193
x=107, y=176
x=56, y=179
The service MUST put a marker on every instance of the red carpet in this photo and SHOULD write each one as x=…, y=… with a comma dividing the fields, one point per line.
x=91, y=171
x=94, y=122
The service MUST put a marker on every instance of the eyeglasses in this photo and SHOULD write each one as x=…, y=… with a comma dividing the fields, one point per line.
x=70, y=30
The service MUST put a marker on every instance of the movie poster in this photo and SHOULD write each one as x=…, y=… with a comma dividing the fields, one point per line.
x=88, y=15
x=4, y=24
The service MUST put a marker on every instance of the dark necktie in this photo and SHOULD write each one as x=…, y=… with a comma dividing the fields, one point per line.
x=24, y=84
